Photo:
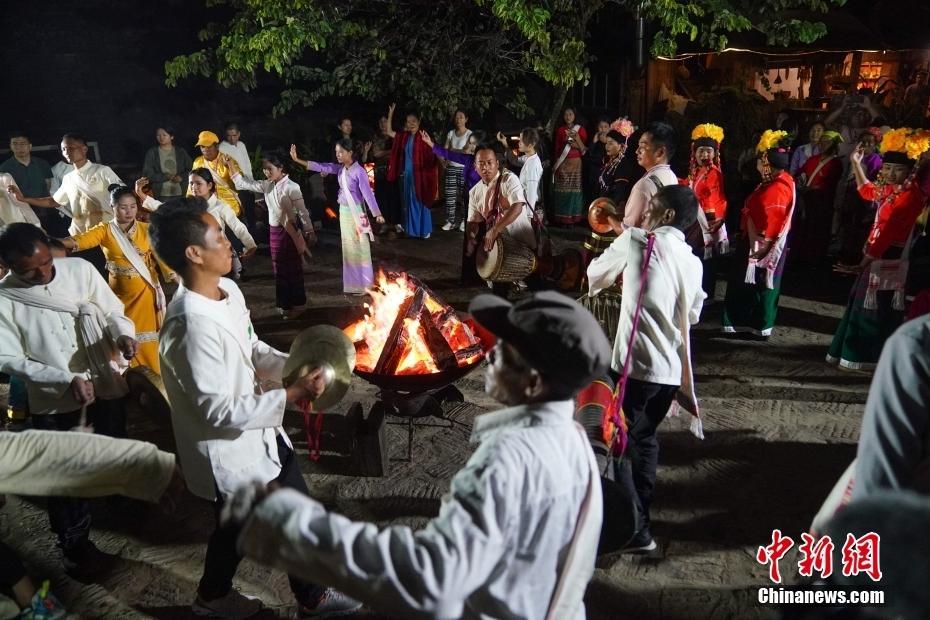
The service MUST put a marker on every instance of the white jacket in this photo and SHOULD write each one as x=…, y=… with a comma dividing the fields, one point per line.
x=496, y=548
x=213, y=364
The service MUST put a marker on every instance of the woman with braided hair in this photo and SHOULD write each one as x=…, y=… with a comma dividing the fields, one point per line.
x=708, y=236
x=755, y=282
x=876, y=303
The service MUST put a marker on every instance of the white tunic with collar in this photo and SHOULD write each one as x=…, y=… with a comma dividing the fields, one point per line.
x=495, y=549
x=43, y=347
x=213, y=366
x=85, y=211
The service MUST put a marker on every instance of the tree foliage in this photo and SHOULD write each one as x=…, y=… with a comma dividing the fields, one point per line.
x=709, y=22
x=437, y=56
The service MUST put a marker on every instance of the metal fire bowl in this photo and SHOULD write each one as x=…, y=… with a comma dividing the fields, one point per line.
x=416, y=384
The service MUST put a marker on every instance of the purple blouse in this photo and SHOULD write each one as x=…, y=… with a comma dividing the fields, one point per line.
x=468, y=161
x=357, y=180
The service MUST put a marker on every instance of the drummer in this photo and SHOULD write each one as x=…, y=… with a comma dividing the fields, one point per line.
x=497, y=202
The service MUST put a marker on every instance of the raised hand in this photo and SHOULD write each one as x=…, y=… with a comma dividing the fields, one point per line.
x=293, y=152
x=424, y=135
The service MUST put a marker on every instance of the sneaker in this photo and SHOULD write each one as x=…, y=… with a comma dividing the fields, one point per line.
x=641, y=543
x=331, y=605
x=399, y=229
x=233, y=605
x=43, y=606
x=447, y=226
x=85, y=562
x=462, y=227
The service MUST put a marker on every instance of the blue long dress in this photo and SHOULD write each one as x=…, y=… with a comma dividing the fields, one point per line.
x=419, y=221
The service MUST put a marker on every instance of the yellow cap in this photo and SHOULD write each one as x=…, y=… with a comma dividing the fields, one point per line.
x=207, y=138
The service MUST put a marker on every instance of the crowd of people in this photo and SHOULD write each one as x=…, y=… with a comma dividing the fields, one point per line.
x=518, y=533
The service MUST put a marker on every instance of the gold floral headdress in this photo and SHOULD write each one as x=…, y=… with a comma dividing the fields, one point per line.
x=708, y=130
x=770, y=139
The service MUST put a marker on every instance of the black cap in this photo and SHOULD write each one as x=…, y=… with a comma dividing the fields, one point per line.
x=552, y=332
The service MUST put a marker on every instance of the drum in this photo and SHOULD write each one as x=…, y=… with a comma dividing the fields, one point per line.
x=595, y=245
x=147, y=390
x=605, y=306
x=508, y=261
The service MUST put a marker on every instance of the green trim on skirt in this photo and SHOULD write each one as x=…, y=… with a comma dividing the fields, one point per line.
x=858, y=341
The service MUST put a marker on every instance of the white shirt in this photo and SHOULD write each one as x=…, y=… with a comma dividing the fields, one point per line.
x=481, y=203
x=219, y=210
x=241, y=154
x=213, y=366
x=280, y=198
x=85, y=212
x=59, y=171
x=673, y=291
x=43, y=347
x=530, y=178
x=458, y=143
x=643, y=191
x=495, y=549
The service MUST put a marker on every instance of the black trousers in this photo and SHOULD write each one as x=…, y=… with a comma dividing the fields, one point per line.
x=247, y=199
x=69, y=517
x=95, y=257
x=11, y=569
x=222, y=558
x=645, y=405
x=387, y=196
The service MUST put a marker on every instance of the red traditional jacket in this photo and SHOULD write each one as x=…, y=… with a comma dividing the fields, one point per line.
x=708, y=187
x=768, y=206
x=895, y=216
x=425, y=172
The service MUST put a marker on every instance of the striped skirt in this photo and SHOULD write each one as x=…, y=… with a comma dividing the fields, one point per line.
x=287, y=268
x=454, y=194
x=567, y=198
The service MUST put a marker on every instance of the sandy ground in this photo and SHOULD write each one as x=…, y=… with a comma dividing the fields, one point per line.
x=780, y=427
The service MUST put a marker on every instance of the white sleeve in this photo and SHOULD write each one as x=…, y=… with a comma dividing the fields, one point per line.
x=198, y=359
x=151, y=204
x=236, y=225
x=428, y=573
x=606, y=268
x=514, y=190
x=474, y=211
x=61, y=195
x=110, y=176
x=243, y=182
x=56, y=463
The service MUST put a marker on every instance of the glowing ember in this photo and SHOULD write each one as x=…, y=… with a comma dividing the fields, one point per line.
x=396, y=294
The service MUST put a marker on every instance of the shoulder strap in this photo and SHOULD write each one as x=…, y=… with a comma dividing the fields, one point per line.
x=658, y=182
x=617, y=403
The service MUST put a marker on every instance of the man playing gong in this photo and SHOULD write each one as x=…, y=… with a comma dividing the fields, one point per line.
x=497, y=201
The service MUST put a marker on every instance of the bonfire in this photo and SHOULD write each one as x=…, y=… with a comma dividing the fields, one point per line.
x=408, y=330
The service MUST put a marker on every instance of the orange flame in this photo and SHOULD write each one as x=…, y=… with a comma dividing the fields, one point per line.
x=370, y=333
x=330, y=213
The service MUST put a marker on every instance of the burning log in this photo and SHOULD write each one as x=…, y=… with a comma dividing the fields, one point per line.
x=409, y=330
x=468, y=353
x=443, y=354
x=396, y=343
